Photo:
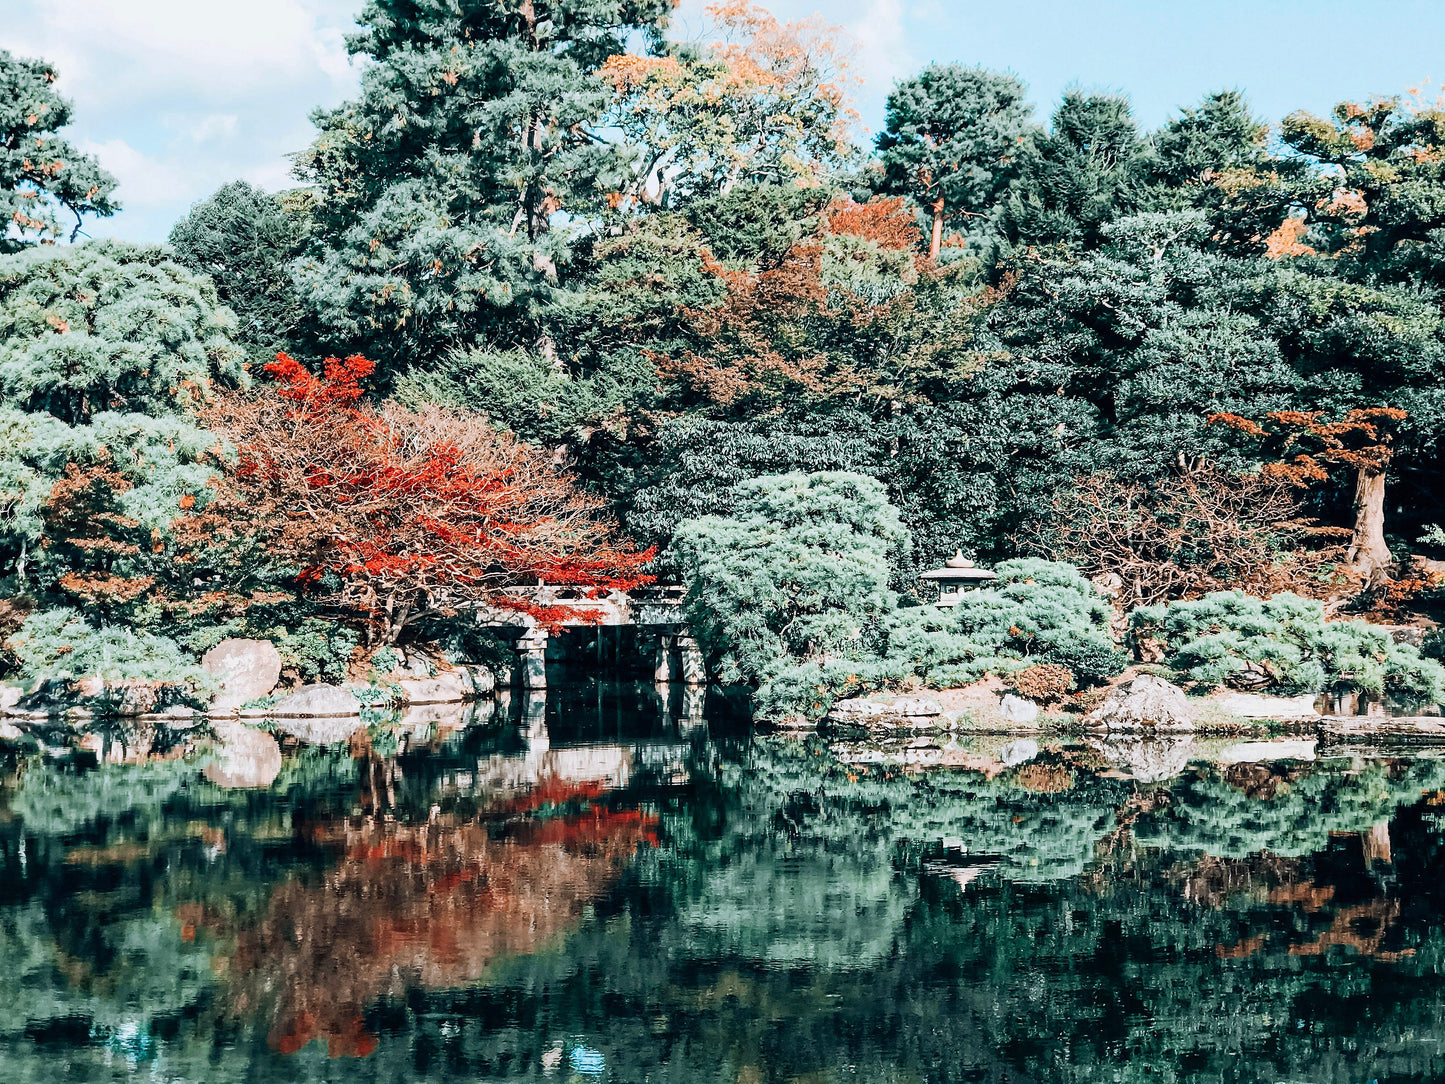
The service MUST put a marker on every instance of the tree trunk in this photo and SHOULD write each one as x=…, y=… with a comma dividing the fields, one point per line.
x=1368, y=551
x=935, y=246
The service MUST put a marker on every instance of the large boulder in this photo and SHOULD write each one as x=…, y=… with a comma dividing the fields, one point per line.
x=448, y=686
x=1284, y=709
x=245, y=757
x=886, y=713
x=247, y=670
x=1017, y=710
x=318, y=702
x=1146, y=703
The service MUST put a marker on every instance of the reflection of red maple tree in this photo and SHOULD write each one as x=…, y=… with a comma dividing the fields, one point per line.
x=429, y=905
x=410, y=512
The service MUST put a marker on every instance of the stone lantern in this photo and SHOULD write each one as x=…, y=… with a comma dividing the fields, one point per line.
x=957, y=575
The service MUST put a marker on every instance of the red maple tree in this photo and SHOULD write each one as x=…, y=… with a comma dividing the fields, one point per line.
x=394, y=514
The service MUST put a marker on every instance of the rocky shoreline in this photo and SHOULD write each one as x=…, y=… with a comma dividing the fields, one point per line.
x=125, y=721
x=1141, y=706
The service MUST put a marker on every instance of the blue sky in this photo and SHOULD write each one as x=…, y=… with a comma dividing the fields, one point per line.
x=180, y=96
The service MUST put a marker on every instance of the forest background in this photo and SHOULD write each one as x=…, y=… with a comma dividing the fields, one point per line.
x=1199, y=358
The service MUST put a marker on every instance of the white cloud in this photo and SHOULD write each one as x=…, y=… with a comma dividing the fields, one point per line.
x=272, y=176
x=210, y=50
x=883, y=53
x=146, y=182
x=214, y=126
x=177, y=97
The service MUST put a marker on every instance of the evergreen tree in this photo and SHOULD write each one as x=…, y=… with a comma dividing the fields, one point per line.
x=1079, y=179
x=439, y=187
x=956, y=140
x=104, y=349
x=42, y=174
x=245, y=239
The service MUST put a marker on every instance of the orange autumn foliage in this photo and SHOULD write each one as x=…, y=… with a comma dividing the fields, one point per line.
x=888, y=223
x=835, y=317
x=1285, y=240
x=1305, y=445
x=431, y=905
x=762, y=100
x=393, y=514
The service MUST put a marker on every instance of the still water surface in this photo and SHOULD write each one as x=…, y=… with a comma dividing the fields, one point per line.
x=607, y=891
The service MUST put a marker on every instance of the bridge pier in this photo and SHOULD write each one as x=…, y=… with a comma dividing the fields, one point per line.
x=693, y=670
x=677, y=657
x=532, y=658
x=662, y=659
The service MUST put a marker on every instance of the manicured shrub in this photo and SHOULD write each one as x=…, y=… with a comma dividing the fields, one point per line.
x=1035, y=613
x=58, y=642
x=798, y=574
x=1283, y=643
x=1047, y=681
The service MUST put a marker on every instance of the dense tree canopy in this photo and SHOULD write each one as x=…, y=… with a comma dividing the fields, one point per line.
x=667, y=267
x=438, y=188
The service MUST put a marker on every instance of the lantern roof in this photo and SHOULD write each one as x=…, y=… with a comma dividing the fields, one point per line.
x=959, y=569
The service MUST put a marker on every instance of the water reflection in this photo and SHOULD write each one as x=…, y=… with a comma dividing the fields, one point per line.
x=604, y=885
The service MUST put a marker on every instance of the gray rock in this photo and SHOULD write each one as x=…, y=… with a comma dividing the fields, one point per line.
x=318, y=730
x=448, y=687
x=1015, y=709
x=859, y=709
x=10, y=697
x=318, y=701
x=414, y=666
x=1147, y=759
x=1256, y=706
x=905, y=706
x=245, y=757
x=1146, y=703
x=247, y=669
x=916, y=706
x=1019, y=752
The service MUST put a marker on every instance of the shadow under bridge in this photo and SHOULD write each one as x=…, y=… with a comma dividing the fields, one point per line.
x=639, y=633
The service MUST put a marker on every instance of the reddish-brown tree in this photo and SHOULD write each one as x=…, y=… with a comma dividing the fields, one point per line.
x=393, y=514
x=1201, y=529
x=850, y=314
x=1306, y=446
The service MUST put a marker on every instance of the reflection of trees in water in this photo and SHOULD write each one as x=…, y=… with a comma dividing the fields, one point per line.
x=1285, y=810
x=430, y=905
x=796, y=919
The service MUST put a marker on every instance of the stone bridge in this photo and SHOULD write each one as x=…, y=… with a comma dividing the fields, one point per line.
x=655, y=611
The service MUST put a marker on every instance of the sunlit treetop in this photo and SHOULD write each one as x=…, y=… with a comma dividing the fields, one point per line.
x=760, y=102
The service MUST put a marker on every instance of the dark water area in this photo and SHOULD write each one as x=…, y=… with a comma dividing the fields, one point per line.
x=612, y=885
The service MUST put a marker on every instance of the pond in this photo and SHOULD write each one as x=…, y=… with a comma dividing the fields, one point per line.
x=610, y=887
